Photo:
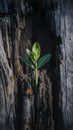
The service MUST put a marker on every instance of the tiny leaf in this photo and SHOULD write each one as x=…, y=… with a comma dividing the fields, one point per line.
x=42, y=61
x=27, y=62
x=30, y=54
x=36, y=50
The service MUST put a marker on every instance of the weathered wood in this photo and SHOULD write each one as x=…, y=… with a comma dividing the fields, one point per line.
x=6, y=91
x=50, y=23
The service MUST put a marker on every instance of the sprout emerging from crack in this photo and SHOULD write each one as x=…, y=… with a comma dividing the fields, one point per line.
x=37, y=62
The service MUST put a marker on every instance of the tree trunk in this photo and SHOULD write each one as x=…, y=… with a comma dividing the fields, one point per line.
x=48, y=22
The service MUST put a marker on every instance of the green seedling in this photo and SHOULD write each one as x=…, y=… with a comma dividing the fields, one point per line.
x=36, y=62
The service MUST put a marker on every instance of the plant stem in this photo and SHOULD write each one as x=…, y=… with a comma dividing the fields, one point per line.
x=35, y=96
x=36, y=75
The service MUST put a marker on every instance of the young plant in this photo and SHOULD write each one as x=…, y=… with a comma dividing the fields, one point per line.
x=37, y=62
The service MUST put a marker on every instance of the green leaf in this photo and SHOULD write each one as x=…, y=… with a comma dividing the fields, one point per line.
x=27, y=62
x=36, y=50
x=42, y=61
x=30, y=54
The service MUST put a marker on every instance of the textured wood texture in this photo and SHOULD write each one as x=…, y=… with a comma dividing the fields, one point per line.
x=17, y=88
x=50, y=23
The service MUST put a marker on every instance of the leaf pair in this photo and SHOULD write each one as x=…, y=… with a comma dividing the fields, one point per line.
x=35, y=55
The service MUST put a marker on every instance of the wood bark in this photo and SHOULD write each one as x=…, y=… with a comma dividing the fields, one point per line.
x=21, y=24
x=17, y=79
